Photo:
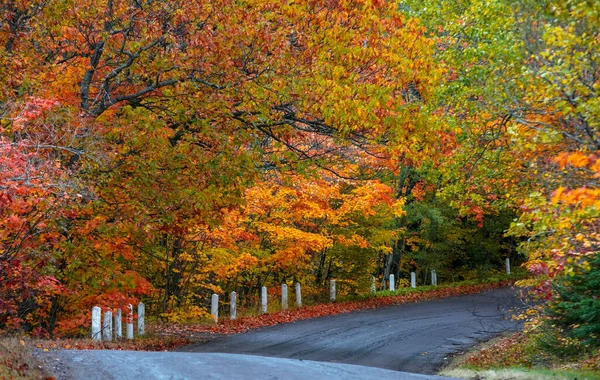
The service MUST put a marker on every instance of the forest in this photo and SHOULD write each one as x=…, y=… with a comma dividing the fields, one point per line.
x=165, y=150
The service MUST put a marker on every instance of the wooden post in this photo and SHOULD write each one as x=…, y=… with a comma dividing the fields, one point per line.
x=413, y=279
x=118, y=325
x=332, y=290
x=141, y=318
x=392, y=283
x=298, y=295
x=373, y=287
x=214, y=307
x=284, y=297
x=96, y=327
x=507, y=265
x=233, y=306
x=263, y=300
x=107, y=326
x=129, y=322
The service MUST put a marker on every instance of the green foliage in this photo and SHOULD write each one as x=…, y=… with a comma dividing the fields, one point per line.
x=520, y=94
x=575, y=310
x=441, y=239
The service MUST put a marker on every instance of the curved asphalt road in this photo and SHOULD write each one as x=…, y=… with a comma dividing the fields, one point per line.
x=410, y=338
x=414, y=337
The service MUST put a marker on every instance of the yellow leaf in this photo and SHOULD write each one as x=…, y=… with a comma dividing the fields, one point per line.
x=557, y=194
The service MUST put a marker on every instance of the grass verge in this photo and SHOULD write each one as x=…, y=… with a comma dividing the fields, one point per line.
x=17, y=361
x=519, y=356
x=517, y=373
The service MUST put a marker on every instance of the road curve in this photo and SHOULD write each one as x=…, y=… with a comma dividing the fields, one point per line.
x=412, y=338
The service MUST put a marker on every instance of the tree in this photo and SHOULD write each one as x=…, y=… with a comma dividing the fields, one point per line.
x=32, y=197
x=575, y=307
x=521, y=89
x=175, y=108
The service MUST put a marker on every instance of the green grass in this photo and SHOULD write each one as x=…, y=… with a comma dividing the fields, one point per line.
x=493, y=278
x=518, y=373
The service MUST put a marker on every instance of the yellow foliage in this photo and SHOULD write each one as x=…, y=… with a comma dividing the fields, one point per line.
x=190, y=314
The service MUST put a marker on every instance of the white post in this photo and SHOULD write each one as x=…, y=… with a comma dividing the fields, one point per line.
x=373, y=287
x=284, y=297
x=263, y=300
x=433, y=277
x=118, y=325
x=214, y=307
x=233, y=306
x=130, y=322
x=141, y=317
x=507, y=265
x=413, y=279
x=298, y=295
x=96, y=328
x=392, y=283
x=107, y=326
x=332, y=290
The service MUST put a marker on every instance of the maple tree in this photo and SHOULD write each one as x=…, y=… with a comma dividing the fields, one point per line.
x=32, y=199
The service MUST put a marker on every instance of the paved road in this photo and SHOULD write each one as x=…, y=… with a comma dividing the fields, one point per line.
x=412, y=338
x=126, y=365
x=399, y=339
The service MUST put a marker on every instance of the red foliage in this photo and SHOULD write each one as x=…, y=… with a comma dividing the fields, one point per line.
x=506, y=352
x=26, y=206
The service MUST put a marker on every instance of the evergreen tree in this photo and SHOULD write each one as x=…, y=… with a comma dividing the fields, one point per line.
x=576, y=309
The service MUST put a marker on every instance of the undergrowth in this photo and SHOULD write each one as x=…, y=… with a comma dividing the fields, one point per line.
x=523, y=356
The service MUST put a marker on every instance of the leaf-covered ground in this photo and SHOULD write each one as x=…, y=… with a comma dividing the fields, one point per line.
x=16, y=362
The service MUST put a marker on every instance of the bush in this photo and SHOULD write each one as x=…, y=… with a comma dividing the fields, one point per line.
x=575, y=308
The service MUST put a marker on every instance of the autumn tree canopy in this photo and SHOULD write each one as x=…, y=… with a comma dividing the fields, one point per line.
x=165, y=150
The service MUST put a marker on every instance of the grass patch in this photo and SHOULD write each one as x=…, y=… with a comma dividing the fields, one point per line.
x=516, y=373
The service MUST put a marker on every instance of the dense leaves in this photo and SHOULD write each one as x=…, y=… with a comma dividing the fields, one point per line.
x=141, y=138
x=166, y=150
